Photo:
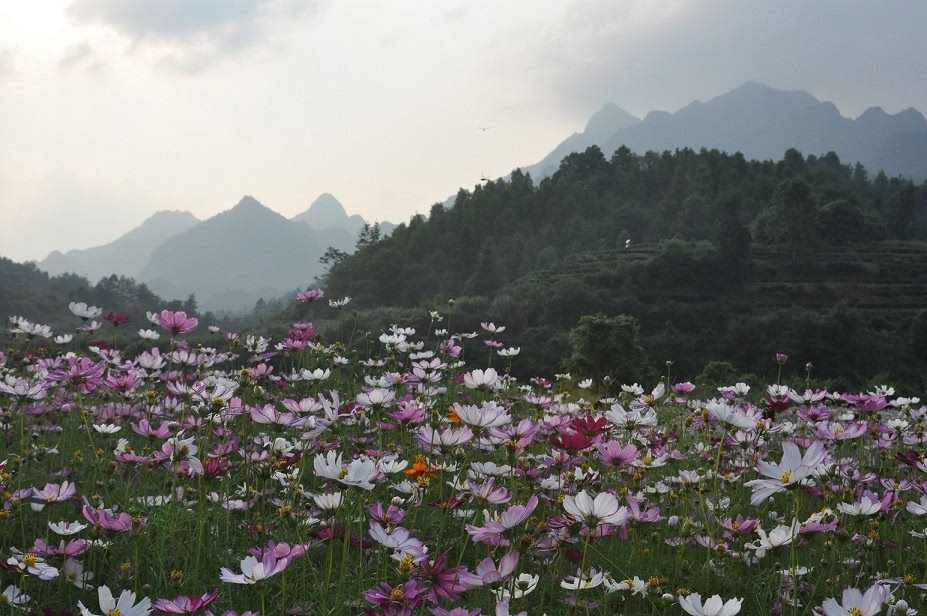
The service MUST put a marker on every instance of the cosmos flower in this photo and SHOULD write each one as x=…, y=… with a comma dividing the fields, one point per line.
x=793, y=468
x=310, y=295
x=124, y=606
x=856, y=603
x=183, y=604
x=11, y=595
x=482, y=379
x=177, y=322
x=254, y=570
x=714, y=606
x=82, y=310
x=603, y=510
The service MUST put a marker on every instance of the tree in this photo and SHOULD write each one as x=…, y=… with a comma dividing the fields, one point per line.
x=608, y=346
x=332, y=256
x=795, y=212
x=733, y=241
x=369, y=234
x=901, y=212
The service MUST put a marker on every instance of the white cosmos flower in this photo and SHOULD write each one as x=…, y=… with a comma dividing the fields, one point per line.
x=715, y=606
x=728, y=414
x=918, y=508
x=82, y=310
x=66, y=528
x=357, y=473
x=857, y=603
x=64, y=339
x=604, y=509
x=869, y=504
x=149, y=334
x=583, y=581
x=777, y=537
x=524, y=584
x=107, y=428
x=316, y=375
x=585, y=384
x=124, y=606
x=793, y=469
x=13, y=596
x=637, y=586
x=328, y=502
x=482, y=379
x=375, y=398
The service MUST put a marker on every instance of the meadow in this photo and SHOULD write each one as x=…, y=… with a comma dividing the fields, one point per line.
x=412, y=474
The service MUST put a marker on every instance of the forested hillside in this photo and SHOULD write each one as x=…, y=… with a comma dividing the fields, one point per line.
x=715, y=257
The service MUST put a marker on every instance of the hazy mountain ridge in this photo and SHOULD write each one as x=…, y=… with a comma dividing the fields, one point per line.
x=179, y=255
x=760, y=122
x=239, y=255
x=127, y=255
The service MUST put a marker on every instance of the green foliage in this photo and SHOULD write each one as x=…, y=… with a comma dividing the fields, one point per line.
x=608, y=346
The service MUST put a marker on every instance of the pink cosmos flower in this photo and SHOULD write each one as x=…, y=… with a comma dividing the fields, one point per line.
x=177, y=322
x=613, y=453
x=310, y=295
x=183, y=604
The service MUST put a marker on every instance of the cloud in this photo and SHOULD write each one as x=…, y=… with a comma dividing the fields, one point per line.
x=188, y=35
x=80, y=56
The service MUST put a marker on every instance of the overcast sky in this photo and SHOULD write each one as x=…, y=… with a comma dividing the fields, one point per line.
x=113, y=109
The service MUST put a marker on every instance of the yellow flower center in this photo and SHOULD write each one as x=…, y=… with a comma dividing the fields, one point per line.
x=343, y=473
x=647, y=461
x=396, y=595
x=736, y=525
x=855, y=611
x=786, y=476
x=30, y=560
x=4, y=598
x=115, y=611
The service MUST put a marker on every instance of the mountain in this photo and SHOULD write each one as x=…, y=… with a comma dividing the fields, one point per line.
x=326, y=212
x=240, y=255
x=125, y=256
x=761, y=123
x=602, y=125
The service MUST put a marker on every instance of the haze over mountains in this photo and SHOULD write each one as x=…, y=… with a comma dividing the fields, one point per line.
x=250, y=251
x=228, y=261
x=761, y=123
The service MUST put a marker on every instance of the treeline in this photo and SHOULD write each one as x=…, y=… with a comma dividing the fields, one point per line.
x=35, y=295
x=715, y=257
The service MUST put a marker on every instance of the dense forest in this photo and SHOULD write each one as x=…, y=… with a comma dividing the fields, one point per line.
x=718, y=262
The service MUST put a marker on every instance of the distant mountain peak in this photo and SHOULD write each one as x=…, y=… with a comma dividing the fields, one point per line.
x=326, y=203
x=248, y=202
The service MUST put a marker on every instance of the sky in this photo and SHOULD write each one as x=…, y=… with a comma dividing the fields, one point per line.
x=111, y=110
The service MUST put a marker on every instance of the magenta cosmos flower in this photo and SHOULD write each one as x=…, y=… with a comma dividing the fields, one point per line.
x=177, y=322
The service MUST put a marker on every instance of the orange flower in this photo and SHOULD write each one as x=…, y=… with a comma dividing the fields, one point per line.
x=452, y=415
x=421, y=469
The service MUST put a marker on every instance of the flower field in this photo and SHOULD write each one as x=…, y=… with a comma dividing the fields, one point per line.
x=413, y=475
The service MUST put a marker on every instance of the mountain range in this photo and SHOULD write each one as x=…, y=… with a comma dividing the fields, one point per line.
x=762, y=123
x=229, y=260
